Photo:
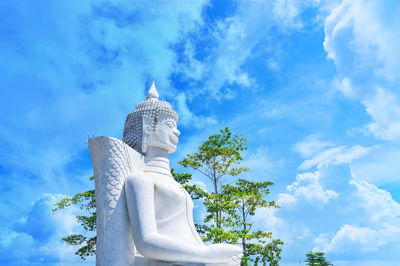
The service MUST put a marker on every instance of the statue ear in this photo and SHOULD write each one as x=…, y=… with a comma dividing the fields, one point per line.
x=146, y=122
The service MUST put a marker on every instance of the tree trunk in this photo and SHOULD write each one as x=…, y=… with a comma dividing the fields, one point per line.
x=244, y=229
x=217, y=212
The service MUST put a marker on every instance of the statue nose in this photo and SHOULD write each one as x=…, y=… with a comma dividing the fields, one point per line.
x=177, y=132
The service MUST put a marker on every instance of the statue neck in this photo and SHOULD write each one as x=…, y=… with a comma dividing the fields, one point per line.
x=156, y=160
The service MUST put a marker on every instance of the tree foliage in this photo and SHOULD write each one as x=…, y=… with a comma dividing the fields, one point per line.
x=217, y=157
x=229, y=208
x=317, y=259
x=86, y=201
x=248, y=196
x=239, y=202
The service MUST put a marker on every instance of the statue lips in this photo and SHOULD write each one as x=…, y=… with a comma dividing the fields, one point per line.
x=174, y=139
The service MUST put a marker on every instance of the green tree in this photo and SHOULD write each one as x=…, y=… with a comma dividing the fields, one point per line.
x=248, y=196
x=311, y=258
x=230, y=207
x=317, y=259
x=86, y=242
x=238, y=202
x=223, y=205
x=271, y=252
x=217, y=157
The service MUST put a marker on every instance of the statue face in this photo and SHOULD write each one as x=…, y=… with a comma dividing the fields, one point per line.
x=166, y=136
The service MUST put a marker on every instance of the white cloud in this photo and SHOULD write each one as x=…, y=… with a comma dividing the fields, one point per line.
x=323, y=153
x=362, y=37
x=200, y=184
x=383, y=221
x=191, y=67
x=271, y=220
x=349, y=235
x=232, y=51
x=188, y=118
x=370, y=31
x=38, y=235
x=311, y=145
x=345, y=86
x=366, y=239
x=335, y=156
x=307, y=186
x=271, y=109
x=381, y=166
x=262, y=162
x=235, y=38
x=286, y=199
x=268, y=219
x=377, y=202
x=384, y=108
x=286, y=13
x=273, y=65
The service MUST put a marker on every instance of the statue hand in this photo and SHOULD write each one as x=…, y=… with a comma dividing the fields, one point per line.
x=237, y=259
x=227, y=252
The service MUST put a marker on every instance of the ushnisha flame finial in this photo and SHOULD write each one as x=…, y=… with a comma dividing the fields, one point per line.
x=152, y=93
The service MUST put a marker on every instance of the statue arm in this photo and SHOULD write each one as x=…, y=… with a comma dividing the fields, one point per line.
x=139, y=190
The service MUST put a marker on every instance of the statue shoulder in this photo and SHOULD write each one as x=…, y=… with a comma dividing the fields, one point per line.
x=139, y=185
x=139, y=176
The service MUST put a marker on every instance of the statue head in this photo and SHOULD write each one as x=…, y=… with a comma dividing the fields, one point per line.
x=152, y=123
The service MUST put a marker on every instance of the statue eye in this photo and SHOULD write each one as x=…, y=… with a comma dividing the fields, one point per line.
x=170, y=123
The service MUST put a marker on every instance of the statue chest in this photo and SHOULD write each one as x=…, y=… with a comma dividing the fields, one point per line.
x=170, y=199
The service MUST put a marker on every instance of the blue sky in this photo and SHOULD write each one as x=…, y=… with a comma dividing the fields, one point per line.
x=313, y=85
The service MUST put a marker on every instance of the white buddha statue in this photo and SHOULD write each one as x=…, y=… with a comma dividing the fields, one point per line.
x=144, y=217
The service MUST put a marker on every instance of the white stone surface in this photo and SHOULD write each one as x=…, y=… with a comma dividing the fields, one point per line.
x=139, y=204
